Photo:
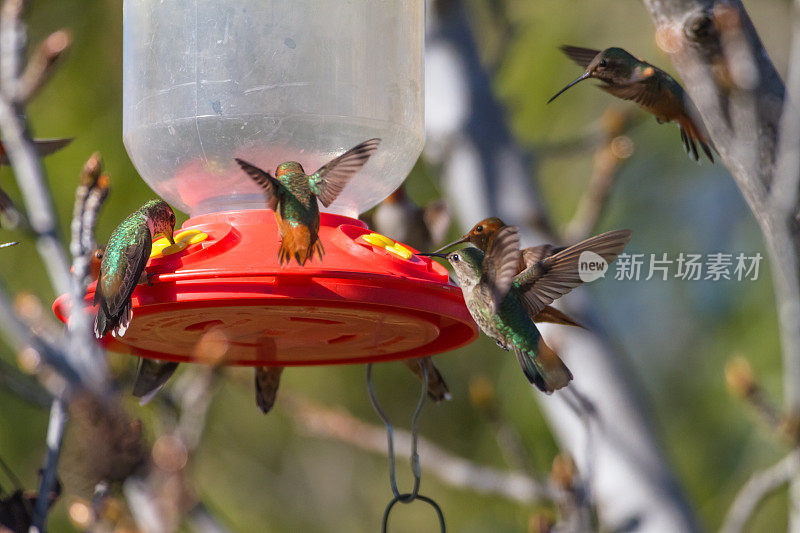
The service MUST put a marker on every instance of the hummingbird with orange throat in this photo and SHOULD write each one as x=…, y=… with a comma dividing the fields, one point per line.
x=629, y=78
x=482, y=235
x=293, y=195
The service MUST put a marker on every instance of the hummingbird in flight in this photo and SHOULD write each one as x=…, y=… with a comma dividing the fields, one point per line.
x=502, y=301
x=293, y=195
x=629, y=78
x=482, y=235
x=122, y=268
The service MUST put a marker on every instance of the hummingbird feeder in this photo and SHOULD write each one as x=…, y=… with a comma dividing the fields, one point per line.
x=270, y=81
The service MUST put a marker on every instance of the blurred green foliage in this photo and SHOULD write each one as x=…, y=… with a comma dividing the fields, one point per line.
x=263, y=474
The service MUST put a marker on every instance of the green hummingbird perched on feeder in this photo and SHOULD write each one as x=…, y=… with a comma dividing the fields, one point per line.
x=483, y=234
x=121, y=270
x=123, y=263
x=293, y=195
x=629, y=78
x=502, y=301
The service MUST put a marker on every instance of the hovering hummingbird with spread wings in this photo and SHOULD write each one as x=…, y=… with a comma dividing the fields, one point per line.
x=502, y=301
x=483, y=234
x=293, y=195
x=629, y=78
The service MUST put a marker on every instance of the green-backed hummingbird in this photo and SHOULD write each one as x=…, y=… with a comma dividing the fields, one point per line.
x=123, y=264
x=122, y=268
x=483, y=234
x=630, y=78
x=502, y=301
x=292, y=195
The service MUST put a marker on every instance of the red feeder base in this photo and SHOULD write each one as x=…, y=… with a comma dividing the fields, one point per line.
x=361, y=304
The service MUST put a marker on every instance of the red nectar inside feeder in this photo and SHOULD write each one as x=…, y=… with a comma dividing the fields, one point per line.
x=273, y=81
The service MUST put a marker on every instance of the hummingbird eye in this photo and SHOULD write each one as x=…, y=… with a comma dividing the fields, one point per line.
x=455, y=258
x=603, y=63
x=478, y=229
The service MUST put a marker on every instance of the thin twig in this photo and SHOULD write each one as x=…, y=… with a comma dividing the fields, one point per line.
x=40, y=66
x=760, y=485
x=55, y=435
x=21, y=337
x=23, y=155
x=608, y=159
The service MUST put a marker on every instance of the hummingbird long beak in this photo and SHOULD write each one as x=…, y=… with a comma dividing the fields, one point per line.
x=168, y=235
x=586, y=75
x=433, y=254
x=462, y=240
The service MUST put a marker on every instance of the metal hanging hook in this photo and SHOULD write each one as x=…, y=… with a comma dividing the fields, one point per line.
x=416, y=469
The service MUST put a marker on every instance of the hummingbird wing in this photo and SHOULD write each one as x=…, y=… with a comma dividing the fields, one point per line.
x=268, y=378
x=272, y=187
x=327, y=182
x=553, y=277
x=114, y=290
x=151, y=378
x=43, y=147
x=437, y=388
x=581, y=56
x=500, y=264
x=8, y=209
x=647, y=92
x=534, y=254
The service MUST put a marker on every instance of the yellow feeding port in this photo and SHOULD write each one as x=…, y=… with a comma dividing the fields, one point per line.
x=381, y=241
x=183, y=239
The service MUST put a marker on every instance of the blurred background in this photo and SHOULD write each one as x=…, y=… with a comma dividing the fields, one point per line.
x=265, y=473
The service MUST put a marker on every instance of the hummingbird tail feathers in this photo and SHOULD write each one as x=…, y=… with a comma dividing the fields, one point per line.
x=437, y=388
x=268, y=378
x=104, y=322
x=691, y=136
x=554, y=316
x=545, y=369
x=298, y=243
x=151, y=378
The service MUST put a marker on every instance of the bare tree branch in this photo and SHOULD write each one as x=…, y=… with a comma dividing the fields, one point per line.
x=40, y=66
x=55, y=434
x=758, y=487
x=469, y=139
x=758, y=136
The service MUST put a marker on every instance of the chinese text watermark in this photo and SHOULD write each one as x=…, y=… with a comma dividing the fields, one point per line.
x=685, y=266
